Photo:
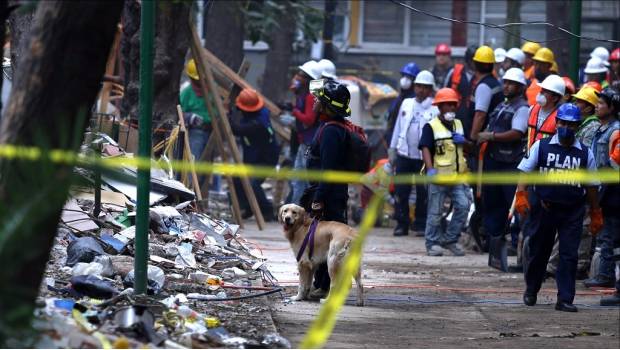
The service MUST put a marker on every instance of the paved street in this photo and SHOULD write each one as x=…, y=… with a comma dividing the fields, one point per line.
x=418, y=301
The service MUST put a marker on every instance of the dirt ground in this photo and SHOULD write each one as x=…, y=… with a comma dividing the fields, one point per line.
x=416, y=301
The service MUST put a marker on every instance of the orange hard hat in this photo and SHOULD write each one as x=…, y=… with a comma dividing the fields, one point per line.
x=570, y=86
x=249, y=101
x=445, y=95
x=595, y=84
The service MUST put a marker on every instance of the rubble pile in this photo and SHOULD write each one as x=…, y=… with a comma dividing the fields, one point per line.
x=206, y=284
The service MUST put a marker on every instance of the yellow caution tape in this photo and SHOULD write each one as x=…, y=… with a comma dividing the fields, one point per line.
x=323, y=324
x=237, y=170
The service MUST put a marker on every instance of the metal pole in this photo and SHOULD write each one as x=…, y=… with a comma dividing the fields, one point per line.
x=147, y=23
x=575, y=27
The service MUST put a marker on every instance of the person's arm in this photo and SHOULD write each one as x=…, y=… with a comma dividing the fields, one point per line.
x=482, y=102
x=614, y=151
x=307, y=116
x=428, y=158
x=395, y=132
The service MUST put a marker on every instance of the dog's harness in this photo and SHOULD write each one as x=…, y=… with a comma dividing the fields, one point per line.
x=309, y=238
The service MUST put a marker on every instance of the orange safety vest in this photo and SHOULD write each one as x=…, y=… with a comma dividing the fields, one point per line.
x=547, y=129
x=529, y=73
x=455, y=79
x=532, y=91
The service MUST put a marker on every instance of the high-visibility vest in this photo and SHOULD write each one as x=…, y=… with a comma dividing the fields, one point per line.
x=532, y=91
x=547, y=129
x=448, y=158
x=529, y=73
x=455, y=79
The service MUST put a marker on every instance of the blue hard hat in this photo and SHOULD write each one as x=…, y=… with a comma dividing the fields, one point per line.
x=569, y=112
x=411, y=69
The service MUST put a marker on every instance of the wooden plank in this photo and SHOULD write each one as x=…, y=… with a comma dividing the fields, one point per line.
x=217, y=133
x=109, y=71
x=205, y=73
x=220, y=66
x=188, y=149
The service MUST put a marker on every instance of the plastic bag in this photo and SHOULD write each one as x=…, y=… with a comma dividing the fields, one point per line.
x=83, y=249
x=93, y=286
x=155, y=276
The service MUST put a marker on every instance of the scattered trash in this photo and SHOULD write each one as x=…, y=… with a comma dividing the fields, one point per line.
x=185, y=257
x=83, y=249
x=92, y=286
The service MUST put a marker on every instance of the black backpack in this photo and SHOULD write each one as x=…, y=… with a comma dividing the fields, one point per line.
x=358, y=150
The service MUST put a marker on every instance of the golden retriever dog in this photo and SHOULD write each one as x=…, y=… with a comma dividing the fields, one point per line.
x=331, y=243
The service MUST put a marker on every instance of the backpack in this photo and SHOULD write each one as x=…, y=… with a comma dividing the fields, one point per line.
x=358, y=150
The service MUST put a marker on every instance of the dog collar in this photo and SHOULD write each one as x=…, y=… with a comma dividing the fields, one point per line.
x=309, y=238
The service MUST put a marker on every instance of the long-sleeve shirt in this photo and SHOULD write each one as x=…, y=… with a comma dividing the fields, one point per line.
x=329, y=152
x=305, y=118
x=412, y=117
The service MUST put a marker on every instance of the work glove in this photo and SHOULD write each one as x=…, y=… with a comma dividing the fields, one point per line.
x=431, y=172
x=596, y=221
x=388, y=168
x=522, y=204
x=485, y=136
x=317, y=210
x=458, y=139
x=192, y=120
x=392, y=156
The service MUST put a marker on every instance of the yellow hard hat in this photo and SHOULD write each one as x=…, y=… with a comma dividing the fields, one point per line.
x=544, y=54
x=484, y=54
x=588, y=94
x=554, y=67
x=530, y=47
x=191, y=70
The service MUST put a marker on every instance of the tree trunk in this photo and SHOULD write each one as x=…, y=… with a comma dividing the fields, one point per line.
x=171, y=44
x=276, y=77
x=328, y=30
x=558, y=13
x=513, y=15
x=20, y=22
x=57, y=82
x=224, y=31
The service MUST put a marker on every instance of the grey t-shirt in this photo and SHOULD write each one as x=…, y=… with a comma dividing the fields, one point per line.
x=519, y=120
x=483, y=98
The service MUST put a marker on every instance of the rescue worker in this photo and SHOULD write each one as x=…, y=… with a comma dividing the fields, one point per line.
x=328, y=151
x=486, y=92
x=541, y=121
x=614, y=70
x=442, y=144
x=558, y=208
x=614, y=154
x=500, y=57
x=505, y=137
x=306, y=120
x=569, y=89
x=529, y=49
x=543, y=60
x=259, y=143
x=404, y=154
x=586, y=100
x=596, y=71
x=407, y=75
x=328, y=69
x=514, y=59
x=195, y=112
x=459, y=79
x=443, y=63
x=607, y=112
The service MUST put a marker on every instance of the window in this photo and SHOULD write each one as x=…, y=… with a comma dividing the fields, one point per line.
x=383, y=22
x=426, y=30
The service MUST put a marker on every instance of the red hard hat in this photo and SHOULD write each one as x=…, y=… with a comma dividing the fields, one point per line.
x=615, y=55
x=570, y=86
x=249, y=101
x=445, y=95
x=443, y=49
x=596, y=85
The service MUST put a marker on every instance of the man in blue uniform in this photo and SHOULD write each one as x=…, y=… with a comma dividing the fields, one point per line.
x=558, y=207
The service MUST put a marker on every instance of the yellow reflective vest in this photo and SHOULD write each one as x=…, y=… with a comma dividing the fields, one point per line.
x=448, y=158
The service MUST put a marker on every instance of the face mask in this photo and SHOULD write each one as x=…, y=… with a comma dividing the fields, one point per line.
x=565, y=134
x=295, y=85
x=541, y=100
x=501, y=72
x=449, y=116
x=405, y=83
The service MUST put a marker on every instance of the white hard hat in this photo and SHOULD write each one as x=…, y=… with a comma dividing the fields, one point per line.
x=516, y=55
x=425, y=78
x=601, y=53
x=554, y=83
x=595, y=65
x=312, y=69
x=516, y=75
x=328, y=69
x=500, y=55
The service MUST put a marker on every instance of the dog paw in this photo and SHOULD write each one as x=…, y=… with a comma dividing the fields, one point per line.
x=322, y=300
x=297, y=298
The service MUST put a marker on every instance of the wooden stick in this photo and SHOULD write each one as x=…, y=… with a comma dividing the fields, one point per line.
x=189, y=151
x=220, y=66
x=195, y=47
x=206, y=74
x=109, y=70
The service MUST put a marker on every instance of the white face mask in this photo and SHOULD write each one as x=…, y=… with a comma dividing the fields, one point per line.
x=449, y=116
x=405, y=83
x=541, y=100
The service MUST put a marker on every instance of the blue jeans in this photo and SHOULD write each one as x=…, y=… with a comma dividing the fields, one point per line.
x=299, y=185
x=611, y=227
x=198, y=139
x=401, y=210
x=460, y=206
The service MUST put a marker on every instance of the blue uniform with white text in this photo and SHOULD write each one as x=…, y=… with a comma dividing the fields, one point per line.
x=555, y=208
